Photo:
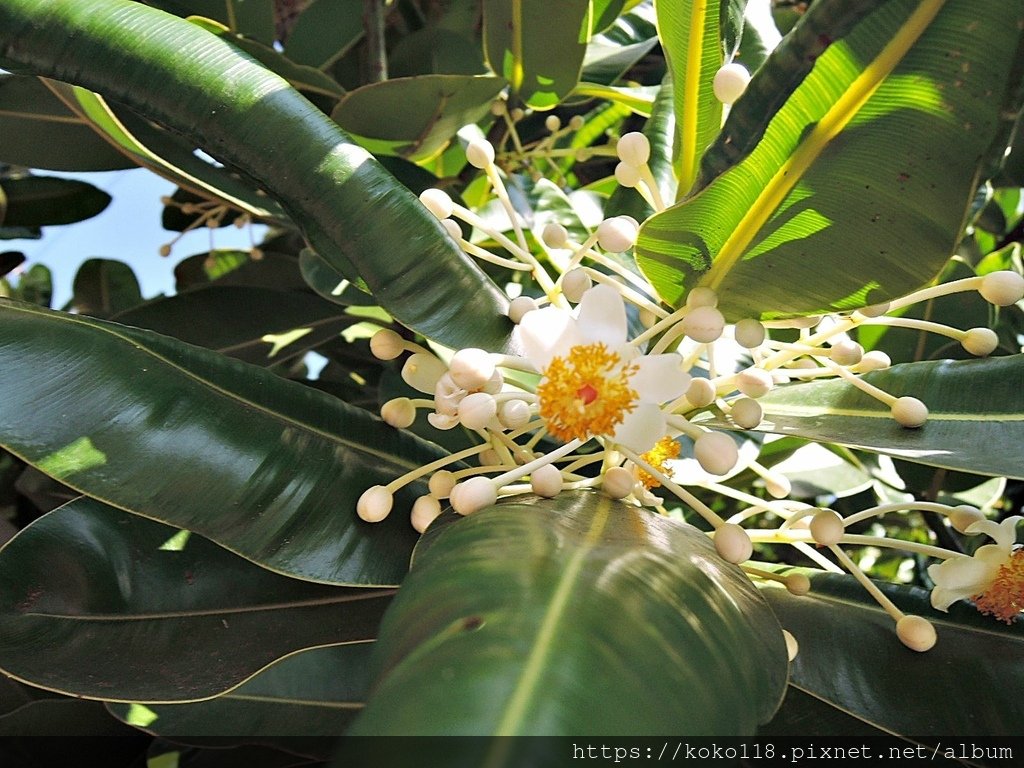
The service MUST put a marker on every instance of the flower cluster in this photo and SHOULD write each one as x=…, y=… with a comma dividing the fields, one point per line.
x=608, y=384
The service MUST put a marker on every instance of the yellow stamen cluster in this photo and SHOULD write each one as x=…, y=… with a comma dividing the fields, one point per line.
x=1004, y=600
x=586, y=393
x=663, y=450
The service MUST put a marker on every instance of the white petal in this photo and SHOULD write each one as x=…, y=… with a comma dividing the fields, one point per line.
x=547, y=333
x=1004, y=533
x=641, y=428
x=602, y=317
x=659, y=378
x=967, y=576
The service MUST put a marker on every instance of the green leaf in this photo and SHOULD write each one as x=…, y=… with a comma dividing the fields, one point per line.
x=850, y=658
x=101, y=604
x=975, y=411
x=325, y=32
x=266, y=467
x=577, y=605
x=416, y=117
x=312, y=693
x=254, y=18
x=691, y=36
x=40, y=201
x=221, y=317
x=435, y=50
x=538, y=46
x=41, y=132
x=812, y=199
x=104, y=287
x=351, y=210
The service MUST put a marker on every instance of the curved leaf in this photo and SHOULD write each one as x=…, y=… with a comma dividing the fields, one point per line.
x=103, y=287
x=266, y=467
x=832, y=207
x=354, y=213
x=301, y=703
x=975, y=411
x=105, y=605
x=577, y=605
x=850, y=658
x=39, y=201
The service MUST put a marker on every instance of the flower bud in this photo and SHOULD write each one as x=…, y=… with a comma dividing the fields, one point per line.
x=792, y=647
x=422, y=371
x=442, y=421
x=704, y=324
x=618, y=482
x=451, y=226
x=633, y=149
x=399, y=413
x=552, y=123
x=749, y=333
x=980, y=342
x=702, y=297
x=575, y=283
x=627, y=175
x=964, y=516
x=424, y=511
x=754, y=382
x=875, y=360
x=385, y=344
x=519, y=306
x=479, y=153
x=827, y=527
x=514, y=414
x=846, y=352
x=473, y=494
x=555, y=235
x=375, y=504
x=617, y=234
x=438, y=202
x=701, y=392
x=798, y=584
x=546, y=481
x=730, y=82
x=471, y=368
x=1002, y=288
x=746, y=413
x=477, y=409
x=441, y=483
x=733, y=543
x=875, y=310
x=716, y=452
x=909, y=412
x=916, y=633
x=778, y=486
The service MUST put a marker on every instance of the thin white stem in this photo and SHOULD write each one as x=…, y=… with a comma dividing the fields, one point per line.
x=484, y=255
x=956, y=286
x=871, y=587
x=627, y=293
x=685, y=496
x=525, y=469
x=862, y=385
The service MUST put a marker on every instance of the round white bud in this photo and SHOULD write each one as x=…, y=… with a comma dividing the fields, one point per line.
x=964, y=516
x=451, y=226
x=473, y=494
x=701, y=392
x=618, y=482
x=875, y=360
x=489, y=458
x=627, y=175
x=514, y=414
x=798, y=584
x=778, y=486
x=575, y=283
x=704, y=324
x=479, y=153
x=375, y=504
x=438, y=202
x=477, y=409
x=518, y=308
x=980, y=342
x=746, y=413
x=846, y=352
x=441, y=483
x=517, y=114
x=399, y=412
x=385, y=344
x=730, y=82
x=754, y=382
x=555, y=235
x=552, y=123
x=749, y=333
x=633, y=149
x=916, y=633
x=1002, y=288
x=422, y=371
x=909, y=412
x=424, y=511
x=716, y=452
x=827, y=527
x=792, y=647
x=546, y=481
x=702, y=297
x=617, y=234
x=471, y=368
x=576, y=122
x=733, y=543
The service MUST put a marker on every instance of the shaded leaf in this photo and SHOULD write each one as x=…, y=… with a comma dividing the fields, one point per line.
x=530, y=648
x=40, y=201
x=104, y=287
x=325, y=32
x=98, y=603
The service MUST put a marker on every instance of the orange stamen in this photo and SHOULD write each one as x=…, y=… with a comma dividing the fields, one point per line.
x=1005, y=598
x=663, y=450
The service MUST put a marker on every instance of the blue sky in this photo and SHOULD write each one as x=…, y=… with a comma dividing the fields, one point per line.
x=128, y=230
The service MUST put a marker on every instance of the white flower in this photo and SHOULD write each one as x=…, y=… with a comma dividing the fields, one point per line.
x=596, y=384
x=993, y=577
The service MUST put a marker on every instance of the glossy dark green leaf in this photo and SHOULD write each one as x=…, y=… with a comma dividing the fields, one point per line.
x=301, y=703
x=435, y=50
x=35, y=285
x=326, y=31
x=537, y=46
x=104, y=287
x=577, y=605
x=98, y=603
x=61, y=718
x=415, y=117
x=40, y=201
x=39, y=131
x=263, y=466
x=254, y=18
x=967, y=685
x=222, y=318
x=351, y=209
x=812, y=199
x=975, y=410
